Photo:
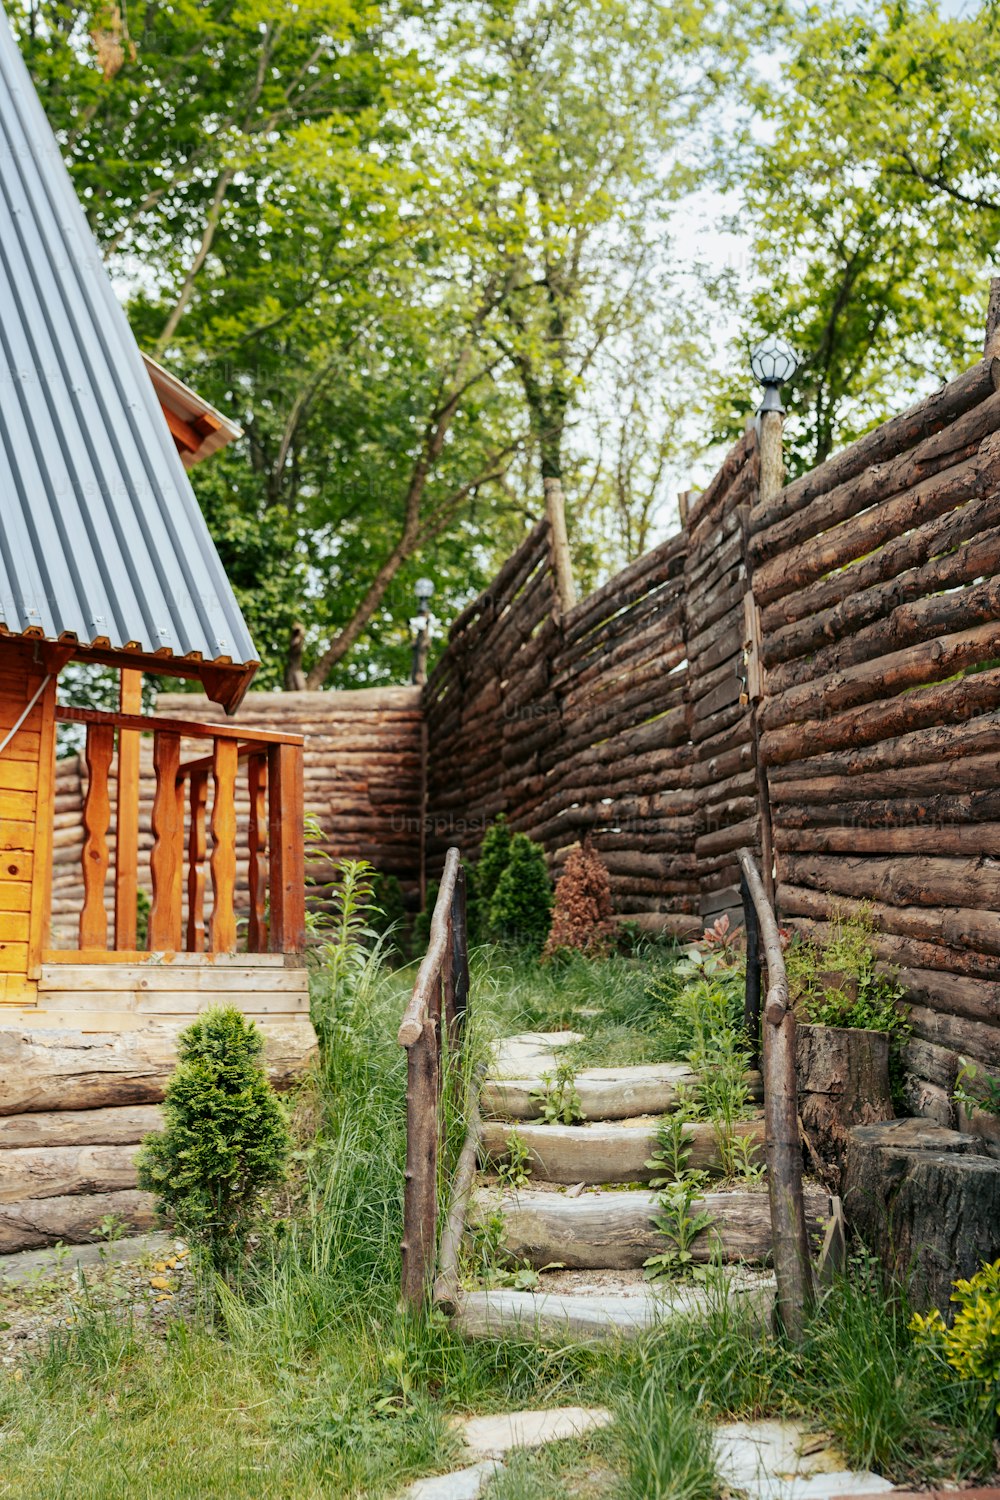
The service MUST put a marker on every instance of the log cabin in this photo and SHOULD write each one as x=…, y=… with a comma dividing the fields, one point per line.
x=105, y=558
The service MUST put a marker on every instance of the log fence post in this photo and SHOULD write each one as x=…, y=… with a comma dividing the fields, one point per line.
x=782, y=1144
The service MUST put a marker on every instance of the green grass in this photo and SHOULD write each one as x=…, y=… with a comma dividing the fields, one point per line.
x=311, y=1383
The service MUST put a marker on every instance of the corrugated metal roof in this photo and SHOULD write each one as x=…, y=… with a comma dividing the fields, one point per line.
x=101, y=536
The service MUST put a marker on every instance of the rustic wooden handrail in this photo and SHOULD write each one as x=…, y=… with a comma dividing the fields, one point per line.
x=440, y=994
x=782, y=1144
x=183, y=814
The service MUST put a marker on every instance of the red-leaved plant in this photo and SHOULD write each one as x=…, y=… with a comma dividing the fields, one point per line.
x=581, y=917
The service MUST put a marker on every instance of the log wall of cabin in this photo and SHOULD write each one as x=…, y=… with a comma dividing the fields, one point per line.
x=27, y=769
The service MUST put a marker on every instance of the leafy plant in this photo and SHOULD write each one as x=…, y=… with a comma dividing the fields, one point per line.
x=494, y=856
x=971, y=1346
x=520, y=909
x=679, y=1190
x=348, y=936
x=975, y=1089
x=559, y=1097
x=226, y=1140
x=515, y=1170
x=871, y=999
x=581, y=917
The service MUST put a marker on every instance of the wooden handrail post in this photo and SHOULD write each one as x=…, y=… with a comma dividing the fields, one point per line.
x=224, y=848
x=96, y=819
x=420, y=1192
x=197, y=801
x=127, y=815
x=286, y=841
x=167, y=858
x=782, y=1145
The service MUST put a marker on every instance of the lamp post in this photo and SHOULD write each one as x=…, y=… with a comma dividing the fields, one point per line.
x=773, y=361
x=423, y=588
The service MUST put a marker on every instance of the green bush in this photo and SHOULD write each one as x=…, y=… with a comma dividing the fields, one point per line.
x=494, y=856
x=226, y=1139
x=388, y=912
x=971, y=1346
x=520, y=910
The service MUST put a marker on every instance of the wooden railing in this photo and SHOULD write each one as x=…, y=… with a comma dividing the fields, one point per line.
x=431, y=1031
x=275, y=865
x=782, y=1139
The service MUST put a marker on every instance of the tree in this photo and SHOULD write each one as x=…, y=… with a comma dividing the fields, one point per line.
x=874, y=209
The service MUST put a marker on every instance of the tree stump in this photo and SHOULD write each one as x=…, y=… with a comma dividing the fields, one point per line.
x=843, y=1079
x=926, y=1202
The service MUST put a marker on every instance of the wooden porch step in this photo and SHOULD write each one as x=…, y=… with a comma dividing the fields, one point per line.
x=179, y=973
x=614, y=1229
x=605, y=1151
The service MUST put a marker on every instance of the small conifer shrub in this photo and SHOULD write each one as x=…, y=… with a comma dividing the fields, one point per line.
x=581, y=918
x=521, y=907
x=494, y=854
x=226, y=1140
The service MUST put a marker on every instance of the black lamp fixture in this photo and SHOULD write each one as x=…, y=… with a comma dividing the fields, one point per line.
x=773, y=361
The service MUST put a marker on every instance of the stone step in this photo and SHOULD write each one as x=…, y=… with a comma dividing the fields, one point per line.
x=606, y=1150
x=605, y=1093
x=614, y=1229
x=560, y=1317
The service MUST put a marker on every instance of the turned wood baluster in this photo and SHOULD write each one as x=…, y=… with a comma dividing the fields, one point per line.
x=167, y=859
x=225, y=762
x=127, y=818
x=197, y=799
x=96, y=819
x=257, y=841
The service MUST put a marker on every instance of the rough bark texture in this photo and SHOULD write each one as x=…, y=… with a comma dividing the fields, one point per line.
x=925, y=1202
x=843, y=1078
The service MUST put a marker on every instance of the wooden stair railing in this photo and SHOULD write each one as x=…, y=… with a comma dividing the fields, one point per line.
x=431, y=1032
x=782, y=1141
x=275, y=919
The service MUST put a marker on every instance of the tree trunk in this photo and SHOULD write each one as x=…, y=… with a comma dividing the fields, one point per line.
x=923, y=1200
x=843, y=1078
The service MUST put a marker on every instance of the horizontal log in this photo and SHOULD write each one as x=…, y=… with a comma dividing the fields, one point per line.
x=920, y=708
x=906, y=625
x=600, y=1151
x=614, y=1230
x=73, y=1220
x=977, y=1040
x=930, y=462
x=741, y=453
x=911, y=952
x=79, y=1127
x=57, y=1171
x=963, y=774
x=889, y=675
x=44, y=1070
x=884, y=442
x=972, y=840
x=900, y=882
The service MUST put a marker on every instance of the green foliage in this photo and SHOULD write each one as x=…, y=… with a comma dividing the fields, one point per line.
x=494, y=855
x=976, y=1089
x=839, y=982
x=515, y=1169
x=670, y=1448
x=226, y=1140
x=676, y=1217
x=971, y=1346
x=388, y=911
x=520, y=909
x=559, y=1097
x=348, y=934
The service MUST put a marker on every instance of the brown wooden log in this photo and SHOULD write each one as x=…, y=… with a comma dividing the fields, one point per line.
x=940, y=466
x=884, y=442
x=979, y=1040
x=921, y=747
x=900, y=882
x=73, y=1220
x=962, y=927
x=930, y=1212
x=742, y=492
x=79, y=1127
x=843, y=1080
x=44, y=1070
x=957, y=544
x=908, y=625
x=614, y=1230
x=601, y=1151
x=973, y=839
x=57, y=1171
x=920, y=708
x=741, y=453
x=891, y=674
